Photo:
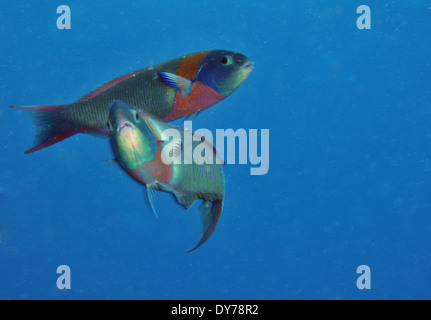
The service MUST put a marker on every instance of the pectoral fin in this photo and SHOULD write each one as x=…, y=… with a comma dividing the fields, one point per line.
x=210, y=212
x=150, y=194
x=176, y=81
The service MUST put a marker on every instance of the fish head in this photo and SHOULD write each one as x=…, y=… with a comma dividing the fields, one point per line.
x=224, y=71
x=132, y=140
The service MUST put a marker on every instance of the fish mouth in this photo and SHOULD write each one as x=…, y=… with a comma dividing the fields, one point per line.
x=248, y=65
x=124, y=125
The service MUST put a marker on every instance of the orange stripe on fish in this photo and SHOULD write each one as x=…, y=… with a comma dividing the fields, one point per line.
x=189, y=66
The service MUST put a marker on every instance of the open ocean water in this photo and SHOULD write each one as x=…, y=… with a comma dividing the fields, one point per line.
x=349, y=180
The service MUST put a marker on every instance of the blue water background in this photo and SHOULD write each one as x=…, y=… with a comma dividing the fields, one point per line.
x=349, y=184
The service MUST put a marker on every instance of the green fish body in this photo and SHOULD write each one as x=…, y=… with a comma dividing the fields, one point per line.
x=141, y=147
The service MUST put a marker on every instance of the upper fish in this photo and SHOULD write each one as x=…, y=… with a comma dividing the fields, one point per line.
x=181, y=87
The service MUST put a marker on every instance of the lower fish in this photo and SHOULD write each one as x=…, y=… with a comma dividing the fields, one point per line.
x=160, y=161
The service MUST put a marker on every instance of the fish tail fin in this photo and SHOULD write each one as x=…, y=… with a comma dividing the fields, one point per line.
x=51, y=126
x=210, y=212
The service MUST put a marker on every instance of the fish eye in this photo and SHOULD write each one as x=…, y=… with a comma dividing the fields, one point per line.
x=137, y=116
x=226, y=60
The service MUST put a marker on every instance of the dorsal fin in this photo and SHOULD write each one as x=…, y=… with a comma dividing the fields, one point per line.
x=108, y=85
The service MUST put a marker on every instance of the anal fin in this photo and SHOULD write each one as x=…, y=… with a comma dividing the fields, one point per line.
x=186, y=199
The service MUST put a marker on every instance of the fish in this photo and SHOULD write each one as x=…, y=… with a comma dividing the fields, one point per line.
x=162, y=162
x=178, y=88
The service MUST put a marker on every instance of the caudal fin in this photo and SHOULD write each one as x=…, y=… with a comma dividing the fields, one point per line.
x=210, y=214
x=51, y=128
